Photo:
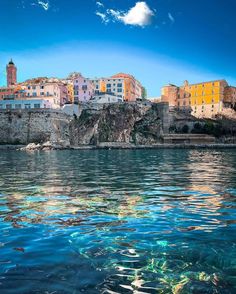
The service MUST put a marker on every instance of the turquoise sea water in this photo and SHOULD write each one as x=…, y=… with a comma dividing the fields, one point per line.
x=110, y=221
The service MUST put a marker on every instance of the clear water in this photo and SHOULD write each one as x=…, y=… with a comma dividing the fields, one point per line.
x=141, y=221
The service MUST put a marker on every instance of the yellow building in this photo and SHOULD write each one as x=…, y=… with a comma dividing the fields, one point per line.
x=70, y=89
x=201, y=100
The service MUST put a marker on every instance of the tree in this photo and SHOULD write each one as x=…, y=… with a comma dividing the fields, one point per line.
x=144, y=93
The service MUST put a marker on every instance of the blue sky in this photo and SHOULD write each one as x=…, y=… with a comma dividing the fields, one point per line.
x=158, y=41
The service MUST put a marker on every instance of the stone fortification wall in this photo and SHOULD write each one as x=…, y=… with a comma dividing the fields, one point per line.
x=27, y=126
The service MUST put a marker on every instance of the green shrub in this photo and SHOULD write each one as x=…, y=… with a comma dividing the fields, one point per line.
x=185, y=129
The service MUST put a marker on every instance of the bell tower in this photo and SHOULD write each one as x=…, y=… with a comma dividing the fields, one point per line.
x=11, y=73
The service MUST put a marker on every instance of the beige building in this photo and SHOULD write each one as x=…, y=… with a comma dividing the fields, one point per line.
x=230, y=97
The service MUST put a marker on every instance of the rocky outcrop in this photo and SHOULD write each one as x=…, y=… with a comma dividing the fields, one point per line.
x=46, y=146
x=120, y=123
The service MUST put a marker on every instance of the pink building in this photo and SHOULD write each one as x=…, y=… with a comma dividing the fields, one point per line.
x=51, y=90
x=83, y=88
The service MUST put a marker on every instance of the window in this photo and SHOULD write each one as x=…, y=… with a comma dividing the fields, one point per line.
x=34, y=94
x=18, y=106
x=84, y=87
x=29, y=87
x=119, y=90
x=27, y=106
x=1, y=106
x=42, y=87
x=108, y=85
x=42, y=93
x=37, y=105
x=119, y=85
x=8, y=106
x=109, y=90
x=34, y=87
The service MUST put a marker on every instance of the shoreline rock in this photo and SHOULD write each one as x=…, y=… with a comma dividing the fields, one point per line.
x=50, y=146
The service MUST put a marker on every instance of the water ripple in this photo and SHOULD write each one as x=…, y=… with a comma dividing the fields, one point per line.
x=148, y=221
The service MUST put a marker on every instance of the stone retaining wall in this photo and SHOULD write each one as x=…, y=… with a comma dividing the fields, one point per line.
x=26, y=126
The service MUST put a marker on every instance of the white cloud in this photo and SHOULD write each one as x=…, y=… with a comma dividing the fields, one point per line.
x=44, y=5
x=100, y=4
x=139, y=15
x=171, y=18
x=103, y=16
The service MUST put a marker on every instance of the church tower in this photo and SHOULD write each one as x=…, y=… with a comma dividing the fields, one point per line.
x=11, y=73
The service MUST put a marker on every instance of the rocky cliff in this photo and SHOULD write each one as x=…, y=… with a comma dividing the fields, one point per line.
x=142, y=123
x=120, y=123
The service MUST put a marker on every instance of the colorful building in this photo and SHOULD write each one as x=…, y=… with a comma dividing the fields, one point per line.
x=83, y=88
x=121, y=85
x=204, y=99
x=51, y=90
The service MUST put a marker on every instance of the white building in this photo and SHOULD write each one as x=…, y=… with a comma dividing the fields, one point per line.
x=25, y=104
x=106, y=98
x=115, y=86
x=121, y=85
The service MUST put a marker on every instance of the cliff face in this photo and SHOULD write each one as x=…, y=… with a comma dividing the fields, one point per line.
x=115, y=123
x=122, y=123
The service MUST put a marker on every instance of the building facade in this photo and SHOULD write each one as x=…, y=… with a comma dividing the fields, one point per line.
x=121, y=85
x=83, y=88
x=106, y=98
x=230, y=97
x=50, y=90
x=204, y=99
x=25, y=104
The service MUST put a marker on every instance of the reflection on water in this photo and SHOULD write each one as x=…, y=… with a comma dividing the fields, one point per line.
x=155, y=221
